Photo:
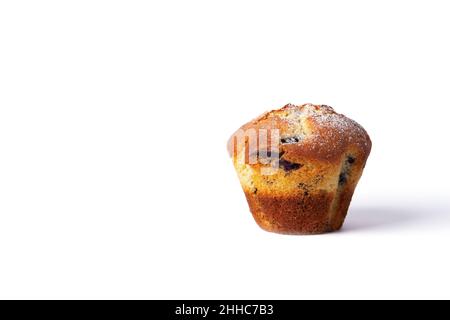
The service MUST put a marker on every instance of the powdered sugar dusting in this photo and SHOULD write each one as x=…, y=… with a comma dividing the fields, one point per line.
x=327, y=121
x=310, y=130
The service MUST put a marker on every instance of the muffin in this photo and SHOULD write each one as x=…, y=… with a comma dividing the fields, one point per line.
x=299, y=166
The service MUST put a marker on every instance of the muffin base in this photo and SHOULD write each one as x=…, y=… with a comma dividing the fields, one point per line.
x=304, y=214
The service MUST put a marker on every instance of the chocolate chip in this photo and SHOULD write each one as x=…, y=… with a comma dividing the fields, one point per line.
x=288, y=166
x=351, y=160
x=284, y=164
x=342, y=178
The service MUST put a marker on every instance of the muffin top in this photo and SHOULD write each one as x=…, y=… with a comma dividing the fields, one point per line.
x=307, y=131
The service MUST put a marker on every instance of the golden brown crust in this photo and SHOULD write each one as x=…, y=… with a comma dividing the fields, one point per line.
x=327, y=136
x=321, y=156
x=305, y=211
x=306, y=214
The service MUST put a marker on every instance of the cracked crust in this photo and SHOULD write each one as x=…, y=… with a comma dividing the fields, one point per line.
x=321, y=156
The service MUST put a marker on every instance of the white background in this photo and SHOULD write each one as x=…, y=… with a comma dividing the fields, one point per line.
x=114, y=176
